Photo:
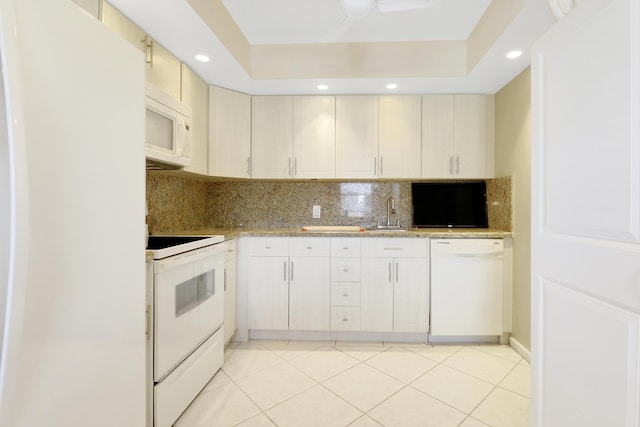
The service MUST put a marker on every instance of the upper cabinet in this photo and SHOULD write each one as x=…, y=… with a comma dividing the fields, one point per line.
x=293, y=137
x=356, y=136
x=457, y=136
x=314, y=136
x=229, y=133
x=399, y=144
x=272, y=137
x=378, y=137
x=195, y=92
x=163, y=69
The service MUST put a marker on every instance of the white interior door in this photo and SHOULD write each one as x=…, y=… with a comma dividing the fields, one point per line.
x=586, y=218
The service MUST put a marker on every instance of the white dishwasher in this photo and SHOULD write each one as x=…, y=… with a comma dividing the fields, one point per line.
x=466, y=287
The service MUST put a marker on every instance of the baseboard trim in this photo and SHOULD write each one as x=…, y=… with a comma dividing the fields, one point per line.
x=520, y=349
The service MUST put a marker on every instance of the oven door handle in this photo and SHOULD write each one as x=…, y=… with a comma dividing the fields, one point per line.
x=187, y=258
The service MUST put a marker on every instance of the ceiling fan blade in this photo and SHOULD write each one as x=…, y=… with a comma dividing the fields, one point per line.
x=338, y=31
x=399, y=5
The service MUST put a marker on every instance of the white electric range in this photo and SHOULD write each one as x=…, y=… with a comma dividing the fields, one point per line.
x=185, y=303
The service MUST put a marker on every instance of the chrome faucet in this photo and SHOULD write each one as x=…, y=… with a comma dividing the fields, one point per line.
x=391, y=209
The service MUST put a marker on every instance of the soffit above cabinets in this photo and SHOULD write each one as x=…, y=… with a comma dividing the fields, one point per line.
x=290, y=46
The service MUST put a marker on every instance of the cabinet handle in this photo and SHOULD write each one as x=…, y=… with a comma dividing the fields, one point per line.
x=346, y=248
x=249, y=166
x=345, y=295
x=344, y=319
x=391, y=248
x=375, y=166
x=381, y=169
x=457, y=165
x=289, y=166
x=345, y=270
x=291, y=275
x=389, y=272
x=267, y=247
x=451, y=165
x=284, y=271
x=225, y=280
x=397, y=270
x=148, y=50
x=309, y=247
x=295, y=166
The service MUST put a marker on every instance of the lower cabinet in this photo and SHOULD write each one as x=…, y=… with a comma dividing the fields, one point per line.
x=338, y=284
x=288, y=284
x=395, y=285
x=230, y=290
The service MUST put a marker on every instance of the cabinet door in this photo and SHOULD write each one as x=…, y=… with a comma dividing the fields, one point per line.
x=230, y=291
x=310, y=294
x=470, y=132
x=411, y=295
x=230, y=133
x=400, y=136
x=195, y=92
x=164, y=69
x=437, y=136
x=376, y=294
x=268, y=293
x=314, y=137
x=356, y=136
x=122, y=26
x=272, y=137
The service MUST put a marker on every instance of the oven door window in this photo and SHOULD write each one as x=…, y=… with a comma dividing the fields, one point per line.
x=194, y=292
x=206, y=286
x=187, y=296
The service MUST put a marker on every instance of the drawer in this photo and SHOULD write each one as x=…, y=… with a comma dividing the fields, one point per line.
x=395, y=247
x=268, y=246
x=345, y=269
x=345, y=247
x=345, y=294
x=310, y=246
x=345, y=318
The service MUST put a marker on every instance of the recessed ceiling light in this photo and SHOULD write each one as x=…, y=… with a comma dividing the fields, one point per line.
x=392, y=86
x=323, y=87
x=514, y=54
x=202, y=58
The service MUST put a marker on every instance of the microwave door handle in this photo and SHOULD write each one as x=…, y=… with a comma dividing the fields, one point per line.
x=181, y=135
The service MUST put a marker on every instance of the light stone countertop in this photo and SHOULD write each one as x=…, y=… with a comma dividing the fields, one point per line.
x=437, y=233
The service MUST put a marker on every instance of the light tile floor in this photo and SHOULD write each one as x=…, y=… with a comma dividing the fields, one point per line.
x=328, y=383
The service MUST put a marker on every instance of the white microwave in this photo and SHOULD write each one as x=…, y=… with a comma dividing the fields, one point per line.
x=168, y=124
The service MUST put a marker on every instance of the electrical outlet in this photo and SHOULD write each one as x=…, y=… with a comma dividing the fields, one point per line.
x=316, y=211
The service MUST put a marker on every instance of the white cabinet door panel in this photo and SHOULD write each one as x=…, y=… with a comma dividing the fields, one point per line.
x=268, y=293
x=356, y=136
x=310, y=294
x=400, y=136
x=376, y=295
x=411, y=295
x=272, y=137
x=314, y=136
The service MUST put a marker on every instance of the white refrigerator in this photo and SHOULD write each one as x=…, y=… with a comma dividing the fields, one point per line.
x=72, y=190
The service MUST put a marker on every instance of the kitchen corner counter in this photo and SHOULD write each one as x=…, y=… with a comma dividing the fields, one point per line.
x=440, y=233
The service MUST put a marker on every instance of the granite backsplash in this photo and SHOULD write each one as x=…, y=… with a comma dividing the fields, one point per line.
x=179, y=203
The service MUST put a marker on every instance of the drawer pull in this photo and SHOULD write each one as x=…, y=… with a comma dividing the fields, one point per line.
x=345, y=295
x=267, y=247
x=346, y=248
x=392, y=249
x=344, y=319
x=309, y=247
x=345, y=270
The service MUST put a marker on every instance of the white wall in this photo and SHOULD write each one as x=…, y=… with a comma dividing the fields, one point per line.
x=513, y=157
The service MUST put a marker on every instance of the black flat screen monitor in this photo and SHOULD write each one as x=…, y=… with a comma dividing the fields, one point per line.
x=449, y=204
